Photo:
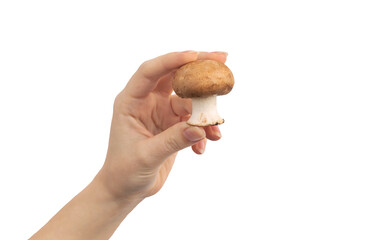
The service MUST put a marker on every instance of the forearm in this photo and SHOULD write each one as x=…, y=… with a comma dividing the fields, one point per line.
x=92, y=214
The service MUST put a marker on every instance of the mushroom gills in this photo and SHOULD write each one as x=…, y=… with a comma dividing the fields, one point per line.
x=204, y=112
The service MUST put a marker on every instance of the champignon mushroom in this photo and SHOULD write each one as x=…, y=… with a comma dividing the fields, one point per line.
x=202, y=81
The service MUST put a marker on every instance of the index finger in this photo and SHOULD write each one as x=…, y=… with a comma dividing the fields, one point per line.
x=146, y=78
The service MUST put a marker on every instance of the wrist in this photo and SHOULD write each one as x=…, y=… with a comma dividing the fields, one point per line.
x=102, y=185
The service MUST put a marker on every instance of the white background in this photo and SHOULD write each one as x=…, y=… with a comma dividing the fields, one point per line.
x=296, y=157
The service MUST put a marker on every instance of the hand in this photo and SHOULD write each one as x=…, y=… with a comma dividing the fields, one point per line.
x=148, y=128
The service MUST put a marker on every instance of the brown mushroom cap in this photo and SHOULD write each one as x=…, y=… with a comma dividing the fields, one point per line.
x=203, y=78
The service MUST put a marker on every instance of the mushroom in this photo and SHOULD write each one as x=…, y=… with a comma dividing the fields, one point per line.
x=203, y=81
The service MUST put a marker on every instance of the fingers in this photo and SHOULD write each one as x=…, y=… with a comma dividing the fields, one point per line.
x=176, y=138
x=170, y=141
x=146, y=78
x=199, y=148
x=181, y=106
x=213, y=133
x=164, y=85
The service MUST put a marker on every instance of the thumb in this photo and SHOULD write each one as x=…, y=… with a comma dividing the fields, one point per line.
x=175, y=138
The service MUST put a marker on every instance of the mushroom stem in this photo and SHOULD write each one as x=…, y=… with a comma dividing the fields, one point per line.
x=204, y=112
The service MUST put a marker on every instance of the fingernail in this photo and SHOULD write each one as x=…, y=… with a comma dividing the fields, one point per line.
x=184, y=118
x=194, y=134
x=219, y=52
x=189, y=51
x=216, y=131
x=201, y=147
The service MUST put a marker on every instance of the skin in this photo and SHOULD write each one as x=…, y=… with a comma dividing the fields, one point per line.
x=148, y=129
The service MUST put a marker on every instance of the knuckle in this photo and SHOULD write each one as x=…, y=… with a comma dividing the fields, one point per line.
x=142, y=68
x=117, y=103
x=121, y=104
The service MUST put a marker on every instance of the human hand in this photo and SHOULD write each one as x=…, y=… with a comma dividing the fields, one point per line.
x=148, y=128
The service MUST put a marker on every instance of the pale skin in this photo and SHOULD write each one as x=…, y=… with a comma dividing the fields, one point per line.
x=148, y=129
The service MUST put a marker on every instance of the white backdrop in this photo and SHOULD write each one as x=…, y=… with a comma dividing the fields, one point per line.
x=296, y=157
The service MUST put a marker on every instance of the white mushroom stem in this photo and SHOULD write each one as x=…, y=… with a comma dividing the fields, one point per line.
x=204, y=112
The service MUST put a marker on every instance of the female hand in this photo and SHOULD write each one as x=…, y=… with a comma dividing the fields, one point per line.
x=148, y=128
